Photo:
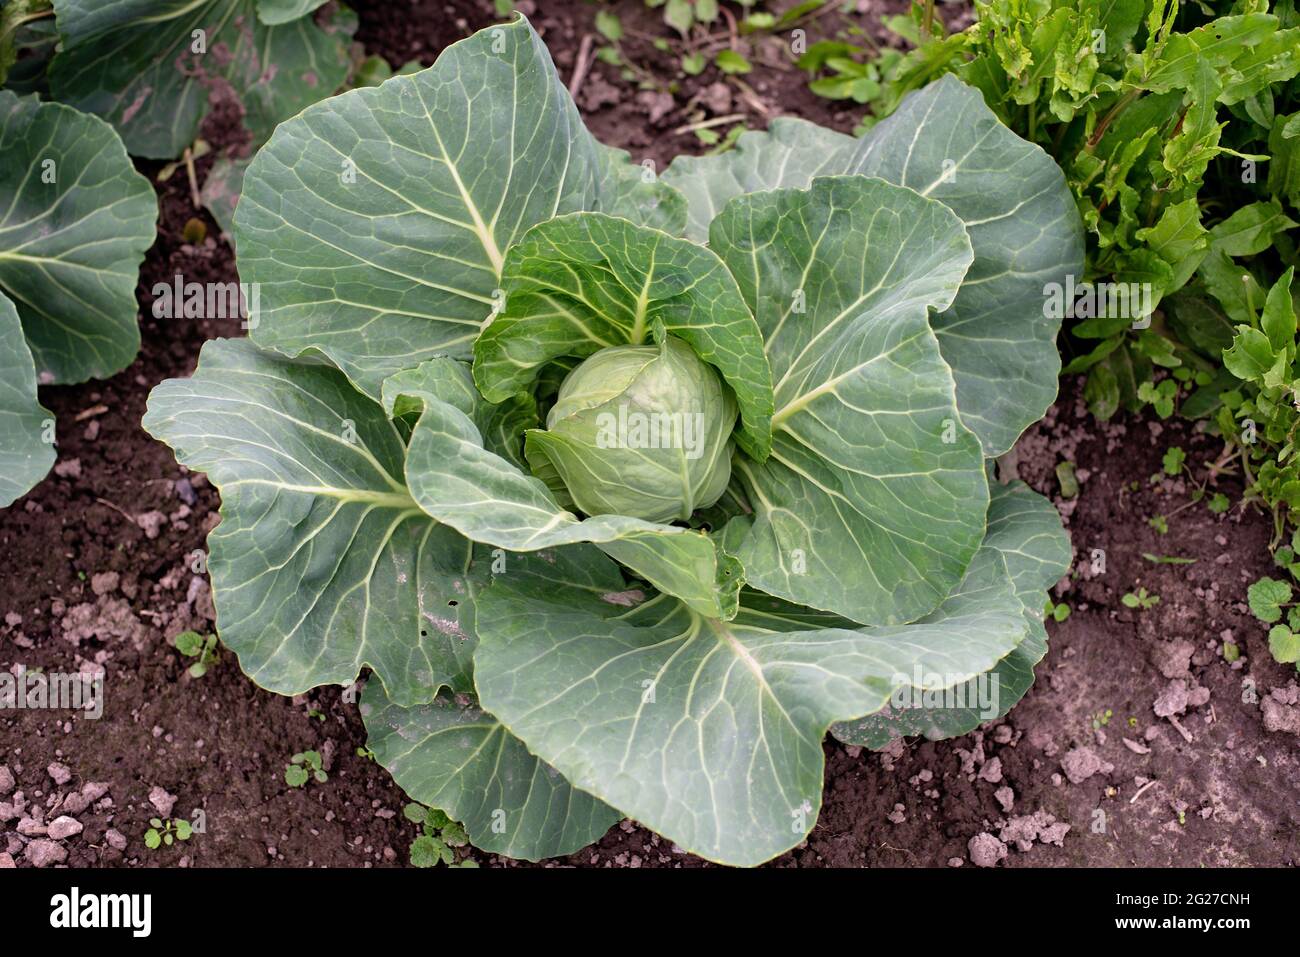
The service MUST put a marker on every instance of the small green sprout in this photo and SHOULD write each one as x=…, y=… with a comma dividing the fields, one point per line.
x=166, y=832
x=1140, y=599
x=1159, y=523
x=1057, y=613
x=1173, y=460
x=1160, y=396
x=1067, y=480
x=304, y=765
x=693, y=64
x=732, y=63
x=193, y=645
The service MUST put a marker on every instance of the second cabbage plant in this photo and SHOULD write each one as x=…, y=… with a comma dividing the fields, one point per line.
x=629, y=488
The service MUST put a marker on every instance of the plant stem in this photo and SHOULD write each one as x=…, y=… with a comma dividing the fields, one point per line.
x=1109, y=118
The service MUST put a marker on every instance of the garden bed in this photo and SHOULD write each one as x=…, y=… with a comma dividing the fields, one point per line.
x=1098, y=765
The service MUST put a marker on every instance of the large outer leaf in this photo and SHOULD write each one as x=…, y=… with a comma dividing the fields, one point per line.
x=322, y=562
x=945, y=143
x=70, y=249
x=377, y=222
x=710, y=732
x=789, y=153
x=454, y=756
x=1025, y=528
x=134, y=63
x=488, y=499
x=581, y=283
x=24, y=457
x=872, y=502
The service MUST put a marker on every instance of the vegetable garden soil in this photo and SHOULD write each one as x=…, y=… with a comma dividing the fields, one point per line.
x=96, y=569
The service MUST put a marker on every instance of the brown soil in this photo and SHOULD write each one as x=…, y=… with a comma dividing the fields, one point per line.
x=85, y=585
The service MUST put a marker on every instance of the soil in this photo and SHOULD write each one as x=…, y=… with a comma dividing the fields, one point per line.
x=100, y=569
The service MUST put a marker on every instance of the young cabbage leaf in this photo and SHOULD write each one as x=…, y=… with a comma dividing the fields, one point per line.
x=581, y=283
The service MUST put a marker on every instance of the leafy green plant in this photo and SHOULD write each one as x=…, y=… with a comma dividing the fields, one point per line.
x=304, y=766
x=1270, y=600
x=1267, y=597
x=411, y=480
x=1140, y=599
x=143, y=67
x=438, y=840
x=193, y=645
x=67, y=294
x=166, y=833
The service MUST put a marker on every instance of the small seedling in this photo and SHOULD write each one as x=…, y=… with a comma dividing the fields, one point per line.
x=1057, y=613
x=193, y=645
x=1101, y=719
x=167, y=832
x=1066, y=478
x=304, y=765
x=363, y=752
x=1159, y=523
x=1173, y=460
x=439, y=836
x=1140, y=599
x=316, y=713
x=1160, y=396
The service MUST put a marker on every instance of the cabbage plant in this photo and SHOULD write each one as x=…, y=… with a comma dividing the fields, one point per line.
x=627, y=488
x=75, y=221
x=148, y=67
